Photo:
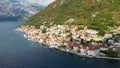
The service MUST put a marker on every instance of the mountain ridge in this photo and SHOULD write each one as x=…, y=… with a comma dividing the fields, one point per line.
x=17, y=11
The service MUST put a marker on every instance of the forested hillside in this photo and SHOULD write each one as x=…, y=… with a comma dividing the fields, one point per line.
x=96, y=14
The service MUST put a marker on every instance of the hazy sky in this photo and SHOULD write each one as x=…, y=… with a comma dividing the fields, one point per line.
x=42, y=2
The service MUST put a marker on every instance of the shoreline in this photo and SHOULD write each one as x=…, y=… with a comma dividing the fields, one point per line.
x=83, y=56
x=61, y=49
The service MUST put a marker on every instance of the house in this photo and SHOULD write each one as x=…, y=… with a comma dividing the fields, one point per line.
x=83, y=50
x=98, y=38
x=108, y=35
x=110, y=41
x=70, y=44
x=119, y=28
x=92, y=51
x=73, y=27
x=103, y=48
x=89, y=50
x=86, y=30
x=115, y=48
x=117, y=41
x=77, y=41
x=91, y=31
x=57, y=42
x=114, y=30
x=87, y=38
x=76, y=49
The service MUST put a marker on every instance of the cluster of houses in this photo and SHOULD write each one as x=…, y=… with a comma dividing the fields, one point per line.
x=68, y=38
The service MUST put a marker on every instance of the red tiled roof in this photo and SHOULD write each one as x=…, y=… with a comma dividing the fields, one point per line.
x=57, y=41
x=103, y=46
x=84, y=47
x=114, y=47
x=108, y=33
x=70, y=44
x=91, y=48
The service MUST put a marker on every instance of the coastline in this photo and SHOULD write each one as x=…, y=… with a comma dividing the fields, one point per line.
x=84, y=56
x=63, y=50
x=96, y=57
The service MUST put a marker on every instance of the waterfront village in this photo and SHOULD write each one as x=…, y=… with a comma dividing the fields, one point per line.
x=72, y=39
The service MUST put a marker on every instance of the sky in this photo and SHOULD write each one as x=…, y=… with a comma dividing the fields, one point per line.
x=42, y=2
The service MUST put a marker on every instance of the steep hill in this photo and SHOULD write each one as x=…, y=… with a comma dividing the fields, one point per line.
x=96, y=14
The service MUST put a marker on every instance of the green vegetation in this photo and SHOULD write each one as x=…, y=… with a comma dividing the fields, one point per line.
x=70, y=35
x=96, y=14
x=44, y=30
x=62, y=47
x=110, y=53
x=117, y=35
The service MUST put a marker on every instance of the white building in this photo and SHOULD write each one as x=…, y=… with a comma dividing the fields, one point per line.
x=108, y=35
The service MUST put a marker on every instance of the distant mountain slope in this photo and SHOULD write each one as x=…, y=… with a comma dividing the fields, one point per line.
x=14, y=11
x=96, y=14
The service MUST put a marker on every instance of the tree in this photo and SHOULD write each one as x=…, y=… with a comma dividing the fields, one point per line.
x=110, y=53
x=44, y=30
x=71, y=39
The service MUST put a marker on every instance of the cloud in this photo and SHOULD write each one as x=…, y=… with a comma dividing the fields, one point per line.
x=42, y=2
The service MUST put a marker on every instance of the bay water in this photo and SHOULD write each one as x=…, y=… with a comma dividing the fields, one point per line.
x=18, y=52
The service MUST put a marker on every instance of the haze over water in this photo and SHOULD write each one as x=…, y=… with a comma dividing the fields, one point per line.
x=18, y=52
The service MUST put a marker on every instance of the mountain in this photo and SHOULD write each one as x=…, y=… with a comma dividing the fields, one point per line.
x=16, y=10
x=96, y=14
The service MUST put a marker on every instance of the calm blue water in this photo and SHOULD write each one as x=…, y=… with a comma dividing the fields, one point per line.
x=17, y=52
